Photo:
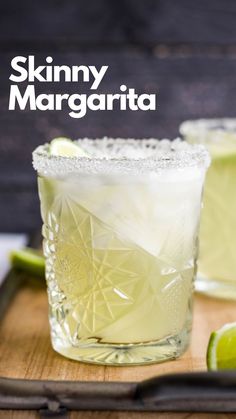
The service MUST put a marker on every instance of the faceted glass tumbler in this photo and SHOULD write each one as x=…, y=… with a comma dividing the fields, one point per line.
x=120, y=239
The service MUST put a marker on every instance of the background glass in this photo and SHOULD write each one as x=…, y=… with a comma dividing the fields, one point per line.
x=217, y=258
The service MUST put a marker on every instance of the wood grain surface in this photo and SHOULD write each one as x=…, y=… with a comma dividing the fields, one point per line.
x=25, y=350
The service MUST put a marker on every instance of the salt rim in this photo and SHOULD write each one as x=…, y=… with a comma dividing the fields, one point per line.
x=119, y=155
x=202, y=126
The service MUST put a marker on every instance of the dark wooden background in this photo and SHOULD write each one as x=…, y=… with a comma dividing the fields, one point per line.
x=185, y=50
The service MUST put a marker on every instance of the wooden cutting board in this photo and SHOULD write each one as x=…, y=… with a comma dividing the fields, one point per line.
x=26, y=352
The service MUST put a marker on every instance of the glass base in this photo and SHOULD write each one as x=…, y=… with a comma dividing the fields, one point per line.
x=216, y=288
x=131, y=354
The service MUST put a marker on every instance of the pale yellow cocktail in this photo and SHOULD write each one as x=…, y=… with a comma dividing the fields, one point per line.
x=120, y=239
x=217, y=257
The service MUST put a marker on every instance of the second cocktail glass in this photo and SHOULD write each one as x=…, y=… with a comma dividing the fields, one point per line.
x=120, y=240
x=217, y=261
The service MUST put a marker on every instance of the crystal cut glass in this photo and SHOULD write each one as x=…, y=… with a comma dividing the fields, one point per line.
x=120, y=234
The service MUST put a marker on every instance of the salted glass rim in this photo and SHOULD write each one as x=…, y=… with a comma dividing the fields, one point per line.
x=211, y=125
x=122, y=155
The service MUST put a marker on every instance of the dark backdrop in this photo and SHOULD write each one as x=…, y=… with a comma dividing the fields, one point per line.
x=185, y=50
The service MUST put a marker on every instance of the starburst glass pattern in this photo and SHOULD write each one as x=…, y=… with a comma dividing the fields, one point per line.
x=106, y=288
x=121, y=258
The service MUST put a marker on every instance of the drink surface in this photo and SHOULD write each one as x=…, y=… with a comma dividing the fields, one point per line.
x=121, y=252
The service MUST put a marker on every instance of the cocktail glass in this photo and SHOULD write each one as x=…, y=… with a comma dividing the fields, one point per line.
x=217, y=257
x=120, y=241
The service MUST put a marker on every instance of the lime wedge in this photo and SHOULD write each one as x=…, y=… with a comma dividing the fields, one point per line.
x=65, y=147
x=28, y=260
x=221, y=351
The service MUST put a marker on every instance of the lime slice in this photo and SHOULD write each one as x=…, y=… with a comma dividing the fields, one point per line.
x=221, y=351
x=28, y=260
x=65, y=147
